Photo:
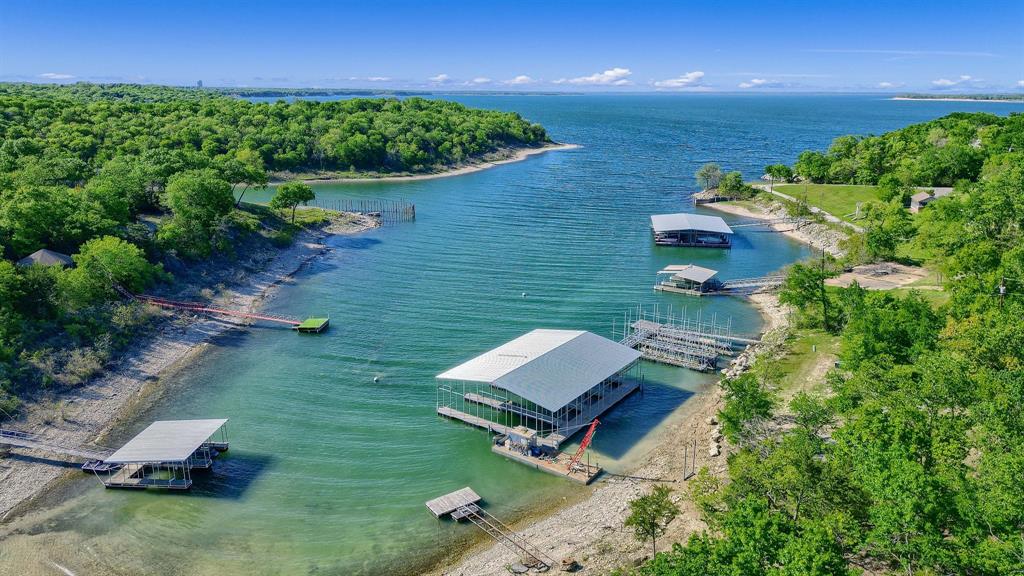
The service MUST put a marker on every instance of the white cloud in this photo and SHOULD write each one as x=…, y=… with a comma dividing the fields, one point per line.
x=688, y=80
x=1020, y=83
x=612, y=77
x=440, y=79
x=755, y=83
x=888, y=85
x=379, y=78
x=520, y=80
x=947, y=83
x=480, y=80
x=55, y=76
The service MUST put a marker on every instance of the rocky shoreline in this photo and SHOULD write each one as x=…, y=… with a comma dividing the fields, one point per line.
x=85, y=415
x=590, y=532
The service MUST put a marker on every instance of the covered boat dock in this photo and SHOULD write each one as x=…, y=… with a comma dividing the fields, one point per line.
x=538, y=390
x=688, y=279
x=685, y=229
x=164, y=455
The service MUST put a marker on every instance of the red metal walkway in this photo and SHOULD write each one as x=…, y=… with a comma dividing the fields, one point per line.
x=205, y=309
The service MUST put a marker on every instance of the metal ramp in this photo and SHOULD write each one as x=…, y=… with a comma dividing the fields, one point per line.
x=26, y=440
x=464, y=504
x=768, y=222
x=748, y=285
x=530, y=555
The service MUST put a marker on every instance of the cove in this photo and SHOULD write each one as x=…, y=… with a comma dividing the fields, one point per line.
x=328, y=469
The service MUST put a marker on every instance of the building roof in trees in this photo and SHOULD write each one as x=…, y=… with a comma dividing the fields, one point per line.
x=46, y=257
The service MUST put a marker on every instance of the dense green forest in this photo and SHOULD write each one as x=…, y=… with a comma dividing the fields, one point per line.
x=941, y=152
x=135, y=180
x=912, y=460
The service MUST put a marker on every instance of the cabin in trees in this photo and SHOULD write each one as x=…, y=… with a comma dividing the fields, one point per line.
x=46, y=257
x=686, y=229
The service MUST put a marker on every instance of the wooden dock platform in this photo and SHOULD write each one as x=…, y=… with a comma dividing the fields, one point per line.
x=449, y=503
x=556, y=465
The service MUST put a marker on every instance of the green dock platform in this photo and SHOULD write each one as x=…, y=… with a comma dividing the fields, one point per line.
x=313, y=325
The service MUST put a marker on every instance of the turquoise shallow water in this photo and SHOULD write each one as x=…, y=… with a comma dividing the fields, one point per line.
x=328, y=471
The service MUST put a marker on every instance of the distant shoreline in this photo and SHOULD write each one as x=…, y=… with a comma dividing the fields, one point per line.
x=519, y=154
x=959, y=99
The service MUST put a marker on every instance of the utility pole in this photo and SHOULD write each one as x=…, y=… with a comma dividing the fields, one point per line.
x=1002, y=291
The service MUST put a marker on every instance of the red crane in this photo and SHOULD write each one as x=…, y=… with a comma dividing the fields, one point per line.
x=583, y=445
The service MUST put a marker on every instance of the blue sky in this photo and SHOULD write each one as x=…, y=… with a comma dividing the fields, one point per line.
x=844, y=46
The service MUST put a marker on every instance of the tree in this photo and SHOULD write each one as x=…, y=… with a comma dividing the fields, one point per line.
x=746, y=401
x=709, y=175
x=246, y=170
x=199, y=200
x=650, y=514
x=290, y=195
x=813, y=166
x=103, y=262
x=805, y=286
x=731, y=184
x=886, y=226
x=777, y=172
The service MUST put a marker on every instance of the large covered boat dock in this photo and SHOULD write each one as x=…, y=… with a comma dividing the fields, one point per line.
x=163, y=455
x=685, y=229
x=539, y=389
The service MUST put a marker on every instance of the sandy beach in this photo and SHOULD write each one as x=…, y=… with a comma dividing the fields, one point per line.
x=85, y=415
x=518, y=155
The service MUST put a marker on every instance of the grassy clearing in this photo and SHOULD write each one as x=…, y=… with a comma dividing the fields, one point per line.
x=809, y=355
x=839, y=200
x=934, y=297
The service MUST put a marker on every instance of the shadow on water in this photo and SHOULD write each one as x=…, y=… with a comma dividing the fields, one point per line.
x=232, y=475
x=348, y=242
x=632, y=420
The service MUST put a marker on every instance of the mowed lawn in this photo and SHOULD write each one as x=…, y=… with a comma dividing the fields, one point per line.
x=839, y=200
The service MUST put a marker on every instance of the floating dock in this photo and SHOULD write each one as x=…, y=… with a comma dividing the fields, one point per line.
x=678, y=340
x=313, y=325
x=464, y=504
x=693, y=230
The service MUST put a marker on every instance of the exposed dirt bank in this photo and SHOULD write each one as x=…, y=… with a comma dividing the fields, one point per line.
x=83, y=416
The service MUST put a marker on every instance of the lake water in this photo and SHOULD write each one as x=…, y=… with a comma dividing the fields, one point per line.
x=328, y=470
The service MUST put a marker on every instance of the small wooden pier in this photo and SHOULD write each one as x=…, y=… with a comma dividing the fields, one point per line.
x=464, y=504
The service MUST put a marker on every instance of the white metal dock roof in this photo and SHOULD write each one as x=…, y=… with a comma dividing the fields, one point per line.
x=547, y=367
x=687, y=221
x=690, y=272
x=166, y=441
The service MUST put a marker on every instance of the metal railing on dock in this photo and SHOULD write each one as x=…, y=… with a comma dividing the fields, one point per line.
x=389, y=211
x=678, y=340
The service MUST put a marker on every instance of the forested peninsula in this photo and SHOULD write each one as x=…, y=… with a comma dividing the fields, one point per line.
x=142, y=184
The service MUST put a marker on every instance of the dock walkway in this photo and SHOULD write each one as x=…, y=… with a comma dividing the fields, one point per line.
x=464, y=504
x=26, y=440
